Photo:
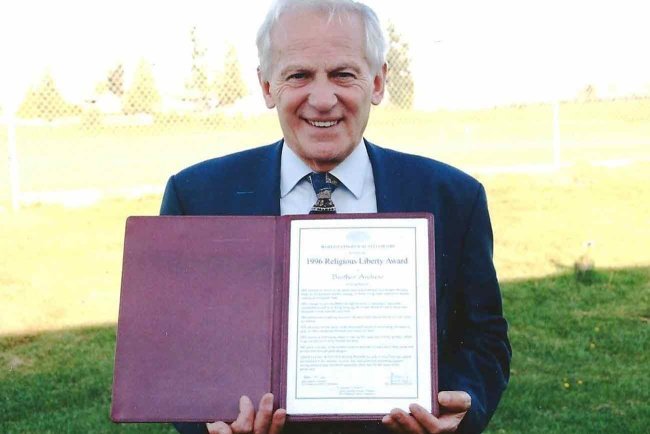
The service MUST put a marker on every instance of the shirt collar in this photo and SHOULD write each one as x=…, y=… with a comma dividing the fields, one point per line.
x=351, y=171
x=292, y=170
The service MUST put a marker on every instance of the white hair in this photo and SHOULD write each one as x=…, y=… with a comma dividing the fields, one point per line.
x=375, y=41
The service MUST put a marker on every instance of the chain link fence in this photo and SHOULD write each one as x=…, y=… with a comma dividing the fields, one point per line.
x=128, y=133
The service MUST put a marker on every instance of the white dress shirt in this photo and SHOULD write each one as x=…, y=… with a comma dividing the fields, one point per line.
x=355, y=195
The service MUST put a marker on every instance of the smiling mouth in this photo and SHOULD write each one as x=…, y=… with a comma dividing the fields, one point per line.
x=322, y=124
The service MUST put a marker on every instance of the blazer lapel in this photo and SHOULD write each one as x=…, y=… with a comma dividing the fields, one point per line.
x=389, y=180
x=258, y=192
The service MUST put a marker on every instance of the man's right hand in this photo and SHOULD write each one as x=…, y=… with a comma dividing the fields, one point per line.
x=265, y=421
x=454, y=405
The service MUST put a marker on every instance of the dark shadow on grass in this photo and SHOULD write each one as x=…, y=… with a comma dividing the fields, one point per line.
x=60, y=381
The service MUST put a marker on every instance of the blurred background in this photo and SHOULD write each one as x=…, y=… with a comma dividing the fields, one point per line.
x=546, y=103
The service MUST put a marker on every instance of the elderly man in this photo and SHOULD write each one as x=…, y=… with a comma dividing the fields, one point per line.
x=321, y=67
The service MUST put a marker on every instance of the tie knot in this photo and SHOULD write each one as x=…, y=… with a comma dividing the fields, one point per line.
x=324, y=184
x=323, y=181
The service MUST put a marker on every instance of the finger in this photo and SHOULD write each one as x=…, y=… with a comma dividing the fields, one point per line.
x=264, y=414
x=391, y=424
x=277, y=423
x=450, y=422
x=431, y=423
x=218, y=428
x=407, y=423
x=244, y=422
x=446, y=423
x=427, y=420
x=455, y=401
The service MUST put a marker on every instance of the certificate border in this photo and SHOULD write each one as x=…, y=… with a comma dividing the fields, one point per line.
x=417, y=337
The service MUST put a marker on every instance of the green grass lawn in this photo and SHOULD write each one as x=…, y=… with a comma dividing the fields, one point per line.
x=580, y=364
x=581, y=360
x=59, y=383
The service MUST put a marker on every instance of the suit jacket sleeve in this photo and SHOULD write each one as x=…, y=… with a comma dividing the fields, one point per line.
x=479, y=360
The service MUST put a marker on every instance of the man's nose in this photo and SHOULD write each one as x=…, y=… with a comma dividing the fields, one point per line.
x=322, y=95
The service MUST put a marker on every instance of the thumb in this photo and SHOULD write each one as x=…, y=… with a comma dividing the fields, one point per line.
x=454, y=401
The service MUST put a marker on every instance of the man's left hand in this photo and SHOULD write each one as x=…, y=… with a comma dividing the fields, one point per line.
x=265, y=421
x=453, y=407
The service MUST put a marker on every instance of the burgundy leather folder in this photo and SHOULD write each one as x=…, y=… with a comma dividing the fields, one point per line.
x=202, y=317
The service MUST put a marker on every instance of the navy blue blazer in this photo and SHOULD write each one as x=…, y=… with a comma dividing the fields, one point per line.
x=474, y=351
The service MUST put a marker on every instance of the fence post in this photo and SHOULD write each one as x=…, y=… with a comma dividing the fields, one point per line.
x=13, y=161
x=557, y=143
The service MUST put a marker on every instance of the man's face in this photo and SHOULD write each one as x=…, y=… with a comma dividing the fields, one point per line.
x=322, y=86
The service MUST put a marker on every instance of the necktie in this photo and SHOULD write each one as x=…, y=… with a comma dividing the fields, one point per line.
x=324, y=184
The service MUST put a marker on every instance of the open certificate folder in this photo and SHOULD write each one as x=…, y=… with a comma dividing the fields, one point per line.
x=335, y=315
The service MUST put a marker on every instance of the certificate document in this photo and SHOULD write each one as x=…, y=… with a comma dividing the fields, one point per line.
x=358, y=316
x=337, y=313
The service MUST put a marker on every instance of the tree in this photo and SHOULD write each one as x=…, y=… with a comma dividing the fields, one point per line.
x=229, y=84
x=588, y=94
x=198, y=84
x=142, y=96
x=115, y=80
x=400, y=83
x=45, y=101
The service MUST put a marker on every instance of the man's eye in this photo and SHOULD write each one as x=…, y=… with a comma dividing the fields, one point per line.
x=297, y=76
x=344, y=75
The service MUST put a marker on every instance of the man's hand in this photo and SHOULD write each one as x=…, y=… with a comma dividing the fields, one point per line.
x=453, y=406
x=266, y=421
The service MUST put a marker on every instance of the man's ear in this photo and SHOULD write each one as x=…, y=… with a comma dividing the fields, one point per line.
x=266, y=89
x=379, y=85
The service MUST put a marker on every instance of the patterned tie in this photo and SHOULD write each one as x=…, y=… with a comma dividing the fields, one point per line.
x=324, y=184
